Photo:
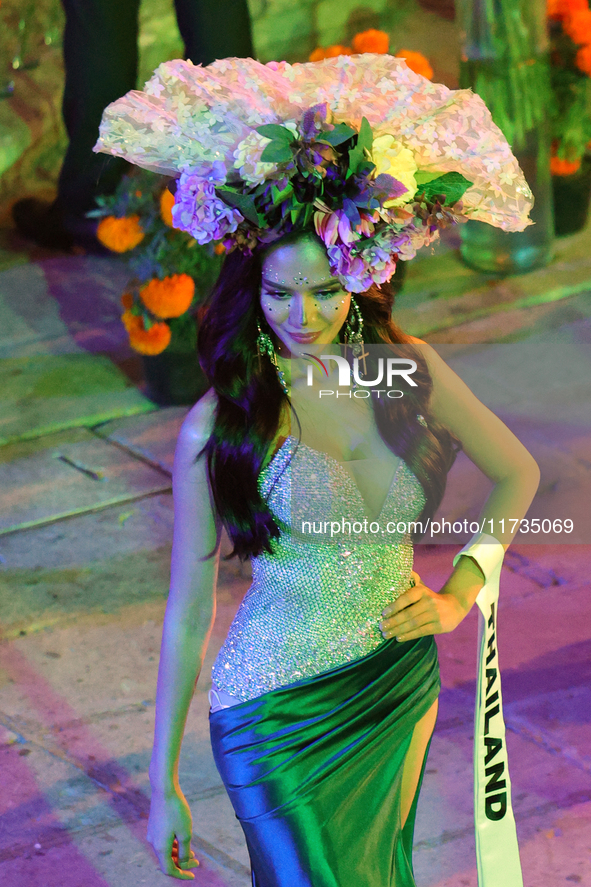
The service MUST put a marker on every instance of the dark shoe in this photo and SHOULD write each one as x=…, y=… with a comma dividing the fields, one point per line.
x=48, y=225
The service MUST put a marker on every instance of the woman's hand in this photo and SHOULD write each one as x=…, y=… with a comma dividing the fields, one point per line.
x=419, y=611
x=169, y=832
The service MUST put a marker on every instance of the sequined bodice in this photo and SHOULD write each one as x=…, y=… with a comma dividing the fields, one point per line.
x=315, y=602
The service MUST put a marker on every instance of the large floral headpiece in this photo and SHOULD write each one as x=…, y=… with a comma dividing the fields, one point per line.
x=373, y=157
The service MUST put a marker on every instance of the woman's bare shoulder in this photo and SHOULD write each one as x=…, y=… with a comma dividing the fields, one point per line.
x=428, y=353
x=431, y=356
x=198, y=424
x=416, y=341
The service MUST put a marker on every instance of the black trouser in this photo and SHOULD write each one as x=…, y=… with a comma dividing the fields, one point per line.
x=101, y=60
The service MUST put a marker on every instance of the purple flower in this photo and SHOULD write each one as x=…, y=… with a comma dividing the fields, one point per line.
x=399, y=242
x=199, y=211
x=350, y=268
x=313, y=121
x=386, y=187
x=359, y=267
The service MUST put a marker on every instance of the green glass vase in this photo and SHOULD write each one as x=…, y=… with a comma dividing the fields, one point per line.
x=505, y=61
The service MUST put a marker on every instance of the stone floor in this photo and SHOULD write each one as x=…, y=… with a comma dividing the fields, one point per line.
x=85, y=531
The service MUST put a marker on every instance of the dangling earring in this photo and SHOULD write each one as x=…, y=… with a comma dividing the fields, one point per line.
x=353, y=328
x=265, y=346
x=353, y=336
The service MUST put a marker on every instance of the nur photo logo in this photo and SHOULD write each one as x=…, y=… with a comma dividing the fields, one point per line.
x=386, y=371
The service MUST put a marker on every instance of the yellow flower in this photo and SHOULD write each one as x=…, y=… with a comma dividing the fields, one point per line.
x=120, y=235
x=152, y=341
x=395, y=160
x=170, y=297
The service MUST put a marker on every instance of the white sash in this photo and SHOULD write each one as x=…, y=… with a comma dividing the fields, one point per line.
x=497, y=852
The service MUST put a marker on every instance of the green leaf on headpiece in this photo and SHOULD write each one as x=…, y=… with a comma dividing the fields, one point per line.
x=294, y=213
x=341, y=133
x=308, y=213
x=364, y=143
x=277, y=152
x=422, y=176
x=365, y=138
x=275, y=132
x=280, y=196
x=242, y=202
x=452, y=184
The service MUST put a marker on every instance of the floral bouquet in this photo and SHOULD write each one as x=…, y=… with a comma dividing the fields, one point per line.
x=570, y=35
x=170, y=272
x=363, y=193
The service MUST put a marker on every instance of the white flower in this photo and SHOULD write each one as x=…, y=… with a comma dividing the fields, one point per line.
x=247, y=156
x=247, y=159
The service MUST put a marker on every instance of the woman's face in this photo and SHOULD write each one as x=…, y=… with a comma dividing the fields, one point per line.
x=301, y=300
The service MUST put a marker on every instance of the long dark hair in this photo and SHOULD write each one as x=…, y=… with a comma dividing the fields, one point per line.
x=250, y=401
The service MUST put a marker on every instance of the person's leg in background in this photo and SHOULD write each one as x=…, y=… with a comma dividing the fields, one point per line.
x=100, y=60
x=214, y=29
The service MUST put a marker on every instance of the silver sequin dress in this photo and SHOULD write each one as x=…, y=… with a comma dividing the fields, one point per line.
x=316, y=602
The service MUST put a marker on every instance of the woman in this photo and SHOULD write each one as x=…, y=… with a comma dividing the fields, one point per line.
x=324, y=694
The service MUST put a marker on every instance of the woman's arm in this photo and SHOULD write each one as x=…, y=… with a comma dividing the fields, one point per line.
x=187, y=626
x=489, y=444
x=502, y=458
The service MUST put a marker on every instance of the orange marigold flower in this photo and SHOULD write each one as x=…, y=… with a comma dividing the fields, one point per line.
x=120, y=235
x=335, y=50
x=131, y=321
x=577, y=25
x=583, y=59
x=560, y=167
x=330, y=52
x=416, y=61
x=371, y=41
x=166, y=205
x=317, y=54
x=219, y=249
x=559, y=9
x=170, y=297
x=152, y=341
x=127, y=301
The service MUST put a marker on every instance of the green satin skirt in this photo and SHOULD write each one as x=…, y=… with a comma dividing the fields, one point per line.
x=314, y=770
